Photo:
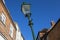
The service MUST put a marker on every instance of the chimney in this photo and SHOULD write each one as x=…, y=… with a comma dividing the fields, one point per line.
x=52, y=23
x=43, y=32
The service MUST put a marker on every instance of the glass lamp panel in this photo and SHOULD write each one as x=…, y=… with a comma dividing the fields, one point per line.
x=26, y=9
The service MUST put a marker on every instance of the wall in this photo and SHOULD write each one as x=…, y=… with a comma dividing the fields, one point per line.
x=5, y=28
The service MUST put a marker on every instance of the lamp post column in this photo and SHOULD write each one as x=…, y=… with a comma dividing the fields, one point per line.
x=25, y=8
x=31, y=24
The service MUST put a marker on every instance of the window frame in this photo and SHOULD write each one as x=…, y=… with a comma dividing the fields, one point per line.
x=11, y=30
x=3, y=17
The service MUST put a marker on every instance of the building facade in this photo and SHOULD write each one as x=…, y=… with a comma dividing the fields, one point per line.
x=19, y=35
x=7, y=26
x=52, y=34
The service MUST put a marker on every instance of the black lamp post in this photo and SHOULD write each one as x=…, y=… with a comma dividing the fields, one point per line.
x=25, y=8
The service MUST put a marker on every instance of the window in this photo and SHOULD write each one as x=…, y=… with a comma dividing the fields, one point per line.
x=3, y=18
x=11, y=30
x=0, y=17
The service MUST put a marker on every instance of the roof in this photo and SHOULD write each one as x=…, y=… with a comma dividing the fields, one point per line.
x=52, y=28
x=44, y=30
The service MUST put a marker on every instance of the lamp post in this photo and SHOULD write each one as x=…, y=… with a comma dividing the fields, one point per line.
x=25, y=8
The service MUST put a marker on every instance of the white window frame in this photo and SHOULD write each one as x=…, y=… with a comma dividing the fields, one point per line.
x=0, y=17
x=11, y=30
x=3, y=18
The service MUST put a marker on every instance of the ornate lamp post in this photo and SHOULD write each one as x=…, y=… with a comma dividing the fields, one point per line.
x=25, y=8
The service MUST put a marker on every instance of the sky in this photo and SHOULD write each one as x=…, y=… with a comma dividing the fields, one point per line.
x=43, y=12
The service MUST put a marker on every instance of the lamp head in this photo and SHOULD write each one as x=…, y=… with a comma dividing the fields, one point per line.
x=25, y=8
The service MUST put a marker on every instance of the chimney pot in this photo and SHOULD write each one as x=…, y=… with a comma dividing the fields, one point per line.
x=52, y=23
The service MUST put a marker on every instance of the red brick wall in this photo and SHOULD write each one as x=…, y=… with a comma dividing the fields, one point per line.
x=5, y=28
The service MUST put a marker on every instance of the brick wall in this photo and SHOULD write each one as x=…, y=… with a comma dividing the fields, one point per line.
x=5, y=28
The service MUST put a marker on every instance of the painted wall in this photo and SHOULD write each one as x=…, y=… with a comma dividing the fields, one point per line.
x=18, y=33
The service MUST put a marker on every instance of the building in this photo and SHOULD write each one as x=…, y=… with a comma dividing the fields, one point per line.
x=19, y=35
x=7, y=26
x=51, y=34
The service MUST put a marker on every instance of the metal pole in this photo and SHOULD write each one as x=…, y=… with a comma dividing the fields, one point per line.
x=33, y=33
x=31, y=24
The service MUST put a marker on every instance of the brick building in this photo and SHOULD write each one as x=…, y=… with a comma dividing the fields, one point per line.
x=51, y=34
x=7, y=26
x=9, y=30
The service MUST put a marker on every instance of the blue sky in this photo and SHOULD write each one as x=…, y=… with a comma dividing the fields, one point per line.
x=43, y=11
